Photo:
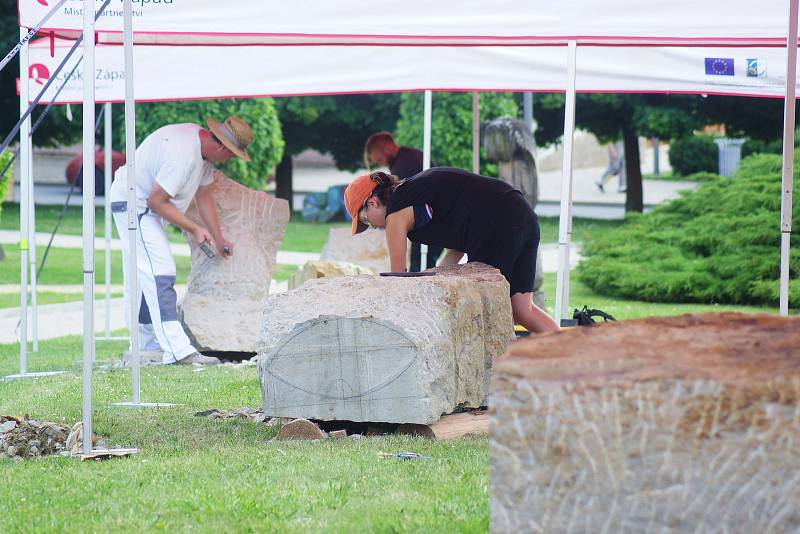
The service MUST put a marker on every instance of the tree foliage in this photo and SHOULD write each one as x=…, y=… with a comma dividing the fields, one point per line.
x=338, y=125
x=718, y=244
x=260, y=113
x=451, y=125
x=611, y=117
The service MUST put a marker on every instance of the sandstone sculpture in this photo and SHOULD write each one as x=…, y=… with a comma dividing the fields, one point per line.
x=367, y=249
x=325, y=268
x=680, y=424
x=510, y=143
x=225, y=297
x=384, y=349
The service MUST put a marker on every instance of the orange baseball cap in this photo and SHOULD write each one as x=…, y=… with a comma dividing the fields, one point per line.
x=355, y=195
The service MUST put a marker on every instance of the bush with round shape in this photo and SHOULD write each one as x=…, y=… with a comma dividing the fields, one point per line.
x=694, y=154
x=717, y=244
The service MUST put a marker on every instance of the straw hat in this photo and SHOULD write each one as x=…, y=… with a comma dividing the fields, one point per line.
x=234, y=133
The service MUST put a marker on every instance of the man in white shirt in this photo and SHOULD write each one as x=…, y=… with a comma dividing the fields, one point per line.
x=173, y=166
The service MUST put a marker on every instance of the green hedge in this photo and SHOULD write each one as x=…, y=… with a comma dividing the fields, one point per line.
x=694, y=154
x=718, y=244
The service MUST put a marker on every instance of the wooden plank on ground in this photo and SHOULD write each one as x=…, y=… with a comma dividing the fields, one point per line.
x=453, y=426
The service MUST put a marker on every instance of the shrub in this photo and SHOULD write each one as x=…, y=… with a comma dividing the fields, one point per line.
x=265, y=151
x=694, y=154
x=6, y=178
x=718, y=244
x=451, y=125
x=757, y=146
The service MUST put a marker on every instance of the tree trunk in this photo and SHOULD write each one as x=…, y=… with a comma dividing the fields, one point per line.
x=634, y=198
x=283, y=179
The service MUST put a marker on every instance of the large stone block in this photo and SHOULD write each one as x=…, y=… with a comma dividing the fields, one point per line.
x=225, y=297
x=367, y=249
x=680, y=424
x=325, y=268
x=384, y=349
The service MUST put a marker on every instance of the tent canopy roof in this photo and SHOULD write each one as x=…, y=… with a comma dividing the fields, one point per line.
x=445, y=22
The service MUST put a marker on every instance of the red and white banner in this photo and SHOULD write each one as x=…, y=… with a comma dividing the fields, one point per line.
x=504, y=22
x=181, y=72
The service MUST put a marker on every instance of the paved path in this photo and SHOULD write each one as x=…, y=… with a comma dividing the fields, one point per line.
x=588, y=200
x=11, y=237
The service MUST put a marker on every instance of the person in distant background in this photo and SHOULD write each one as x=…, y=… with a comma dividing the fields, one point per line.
x=616, y=167
x=403, y=162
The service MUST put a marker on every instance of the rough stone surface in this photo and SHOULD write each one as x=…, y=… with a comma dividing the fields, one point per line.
x=22, y=438
x=680, y=424
x=384, y=349
x=510, y=143
x=324, y=268
x=225, y=296
x=300, y=429
x=367, y=249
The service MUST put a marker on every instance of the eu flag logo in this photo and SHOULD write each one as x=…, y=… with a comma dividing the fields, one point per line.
x=719, y=66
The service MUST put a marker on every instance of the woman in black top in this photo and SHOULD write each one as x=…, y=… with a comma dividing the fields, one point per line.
x=483, y=217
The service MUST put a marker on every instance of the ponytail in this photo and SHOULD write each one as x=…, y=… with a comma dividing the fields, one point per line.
x=385, y=186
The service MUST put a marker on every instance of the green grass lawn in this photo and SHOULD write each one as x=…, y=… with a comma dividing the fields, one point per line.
x=581, y=295
x=205, y=475
x=582, y=229
x=300, y=236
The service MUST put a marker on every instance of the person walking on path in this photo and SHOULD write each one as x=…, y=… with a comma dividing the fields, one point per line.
x=403, y=162
x=483, y=217
x=616, y=167
x=173, y=166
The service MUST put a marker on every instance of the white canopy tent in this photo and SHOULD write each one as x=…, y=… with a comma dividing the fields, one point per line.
x=465, y=31
x=168, y=72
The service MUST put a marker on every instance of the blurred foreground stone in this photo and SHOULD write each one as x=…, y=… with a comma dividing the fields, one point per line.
x=680, y=424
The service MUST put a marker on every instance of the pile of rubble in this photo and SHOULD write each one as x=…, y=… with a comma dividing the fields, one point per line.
x=24, y=438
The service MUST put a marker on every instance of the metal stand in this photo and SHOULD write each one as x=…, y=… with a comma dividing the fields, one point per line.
x=130, y=150
x=33, y=375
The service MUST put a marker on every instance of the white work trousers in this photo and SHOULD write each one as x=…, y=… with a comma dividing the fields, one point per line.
x=158, y=314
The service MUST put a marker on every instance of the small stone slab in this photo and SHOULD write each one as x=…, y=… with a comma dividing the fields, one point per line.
x=300, y=429
x=325, y=268
x=367, y=249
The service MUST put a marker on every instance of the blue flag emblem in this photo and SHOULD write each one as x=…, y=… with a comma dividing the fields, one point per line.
x=719, y=66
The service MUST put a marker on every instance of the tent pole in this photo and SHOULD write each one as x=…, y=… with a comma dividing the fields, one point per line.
x=426, y=161
x=788, y=155
x=26, y=236
x=24, y=219
x=133, y=221
x=565, y=217
x=88, y=219
x=476, y=133
x=107, y=170
x=32, y=242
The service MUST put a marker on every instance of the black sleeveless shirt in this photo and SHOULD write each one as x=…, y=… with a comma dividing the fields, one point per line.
x=467, y=212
